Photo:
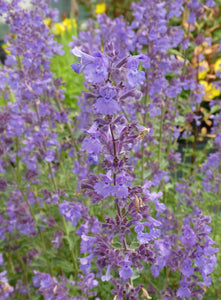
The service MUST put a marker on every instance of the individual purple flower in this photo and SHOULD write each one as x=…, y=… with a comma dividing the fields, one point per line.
x=92, y=145
x=146, y=237
x=87, y=243
x=93, y=159
x=187, y=269
x=120, y=191
x=107, y=104
x=188, y=236
x=192, y=18
x=107, y=276
x=126, y=271
x=85, y=265
x=210, y=3
x=71, y=211
x=104, y=189
x=10, y=60
x=183, y=291
x=134, y=77
x=50, y=155
x=94, y=67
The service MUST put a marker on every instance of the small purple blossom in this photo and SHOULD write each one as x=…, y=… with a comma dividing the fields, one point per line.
x=125, y=271
x=71, y=211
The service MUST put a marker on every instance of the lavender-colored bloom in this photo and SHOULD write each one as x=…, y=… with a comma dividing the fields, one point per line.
x=120, y=191
x=71, y=211
x=106, y=104
x=187, y=270
x=134, y=77
x=50, y=155
x=146, y=237
x=210, y=3
x=104, y=189
x=87, y=243
x=93, y=159
x=183, y=291
x=126, y=271
x=188, y=236
x=92, y=145
x=85, y=265
x=107, y=276
x=155, y=271
x=192, y=18
x=94, y=67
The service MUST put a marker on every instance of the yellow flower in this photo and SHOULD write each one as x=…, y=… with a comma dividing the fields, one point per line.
x=47, y=22
x=215, y=92
x=100, y=8
x=69, y=23
x=4, y=47
x=58, y=28
x=203, y=69
x=217, y=65
x=210, y=90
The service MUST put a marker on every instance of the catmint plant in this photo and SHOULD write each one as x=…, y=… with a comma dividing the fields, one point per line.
x=96, y=207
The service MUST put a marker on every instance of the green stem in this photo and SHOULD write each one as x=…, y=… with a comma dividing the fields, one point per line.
x=173, y=124
x=11, y=262
x=45, y=250
x=17, y=159
x=74, y=261
x=52, y=176
x=165, y=282
x=150, y=282
x=60, y=107
x=114, y=177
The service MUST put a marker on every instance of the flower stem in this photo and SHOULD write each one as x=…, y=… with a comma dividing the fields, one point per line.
x=70, y=247
x=114, y=177
x=60, y=107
